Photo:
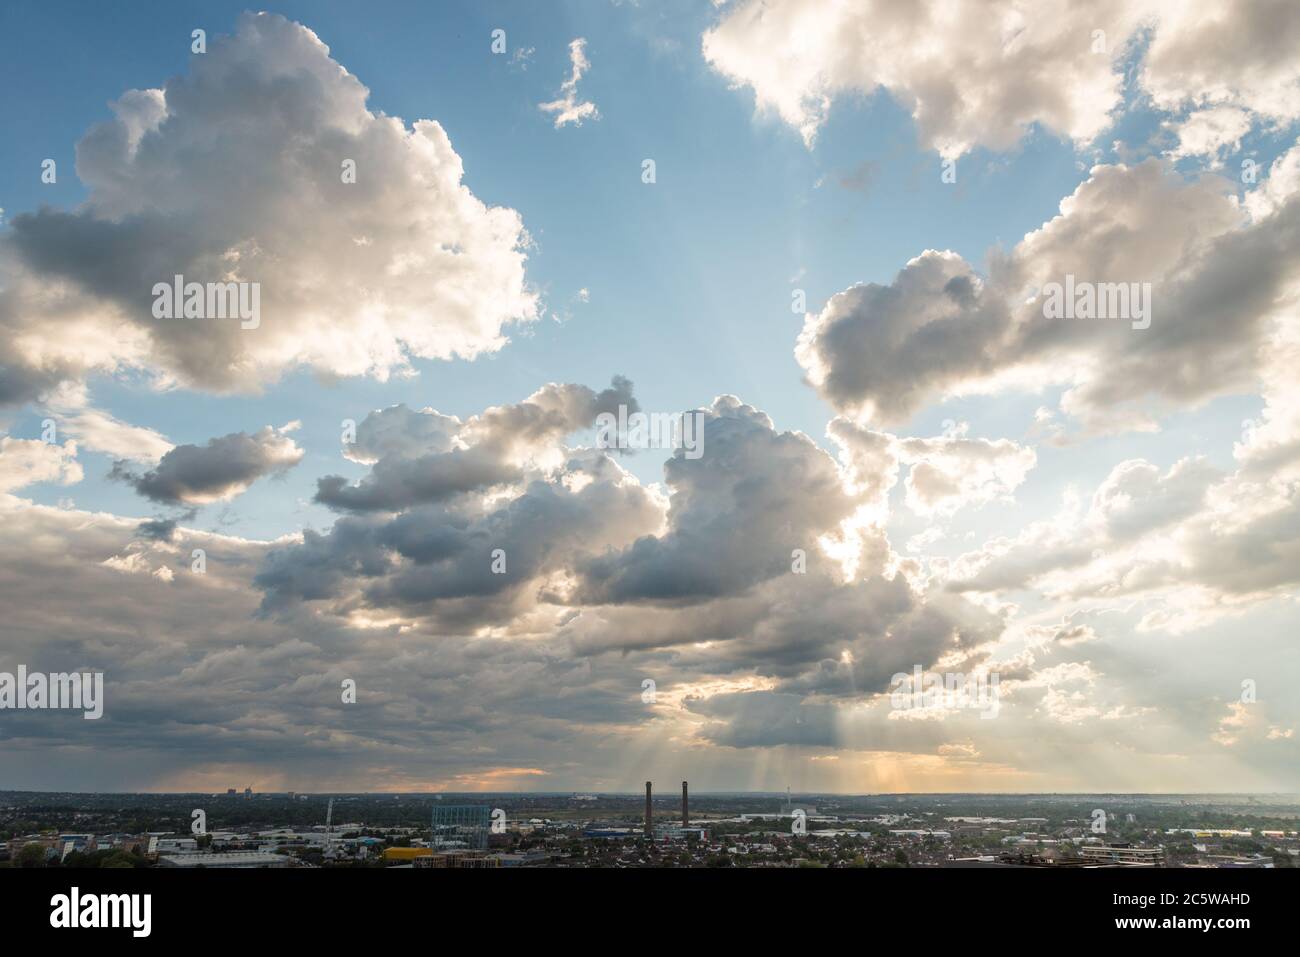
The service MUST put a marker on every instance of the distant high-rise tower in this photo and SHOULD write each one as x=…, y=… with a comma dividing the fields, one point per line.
x=461, y=825
x=649, y=814
x=686, y=813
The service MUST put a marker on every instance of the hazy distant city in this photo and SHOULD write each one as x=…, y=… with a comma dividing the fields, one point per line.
x=244, y=829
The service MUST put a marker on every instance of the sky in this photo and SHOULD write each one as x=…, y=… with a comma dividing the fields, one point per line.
x=371, y=535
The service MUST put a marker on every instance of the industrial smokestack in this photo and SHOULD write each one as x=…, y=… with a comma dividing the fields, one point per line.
x=686, y=813
x=649, y=814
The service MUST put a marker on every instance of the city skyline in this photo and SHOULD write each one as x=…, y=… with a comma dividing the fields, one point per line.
x=544, y=398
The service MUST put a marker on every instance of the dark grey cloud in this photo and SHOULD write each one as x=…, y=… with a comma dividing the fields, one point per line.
x=159, y=529
x=881, y=352
x=395, y=484
x=199, y=690
x=20, y=383
x=737, y=513
x=888, y=349
x=426, y=457
x=764, y=719
x=438, y=560
x=220, y=470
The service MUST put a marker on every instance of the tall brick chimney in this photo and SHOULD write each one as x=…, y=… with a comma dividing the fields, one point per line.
x=649, y=814
x=686, y=813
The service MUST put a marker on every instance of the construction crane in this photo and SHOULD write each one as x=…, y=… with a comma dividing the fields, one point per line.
x=329, y=831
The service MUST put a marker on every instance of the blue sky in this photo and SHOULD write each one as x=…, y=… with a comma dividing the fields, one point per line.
x=690, y=281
